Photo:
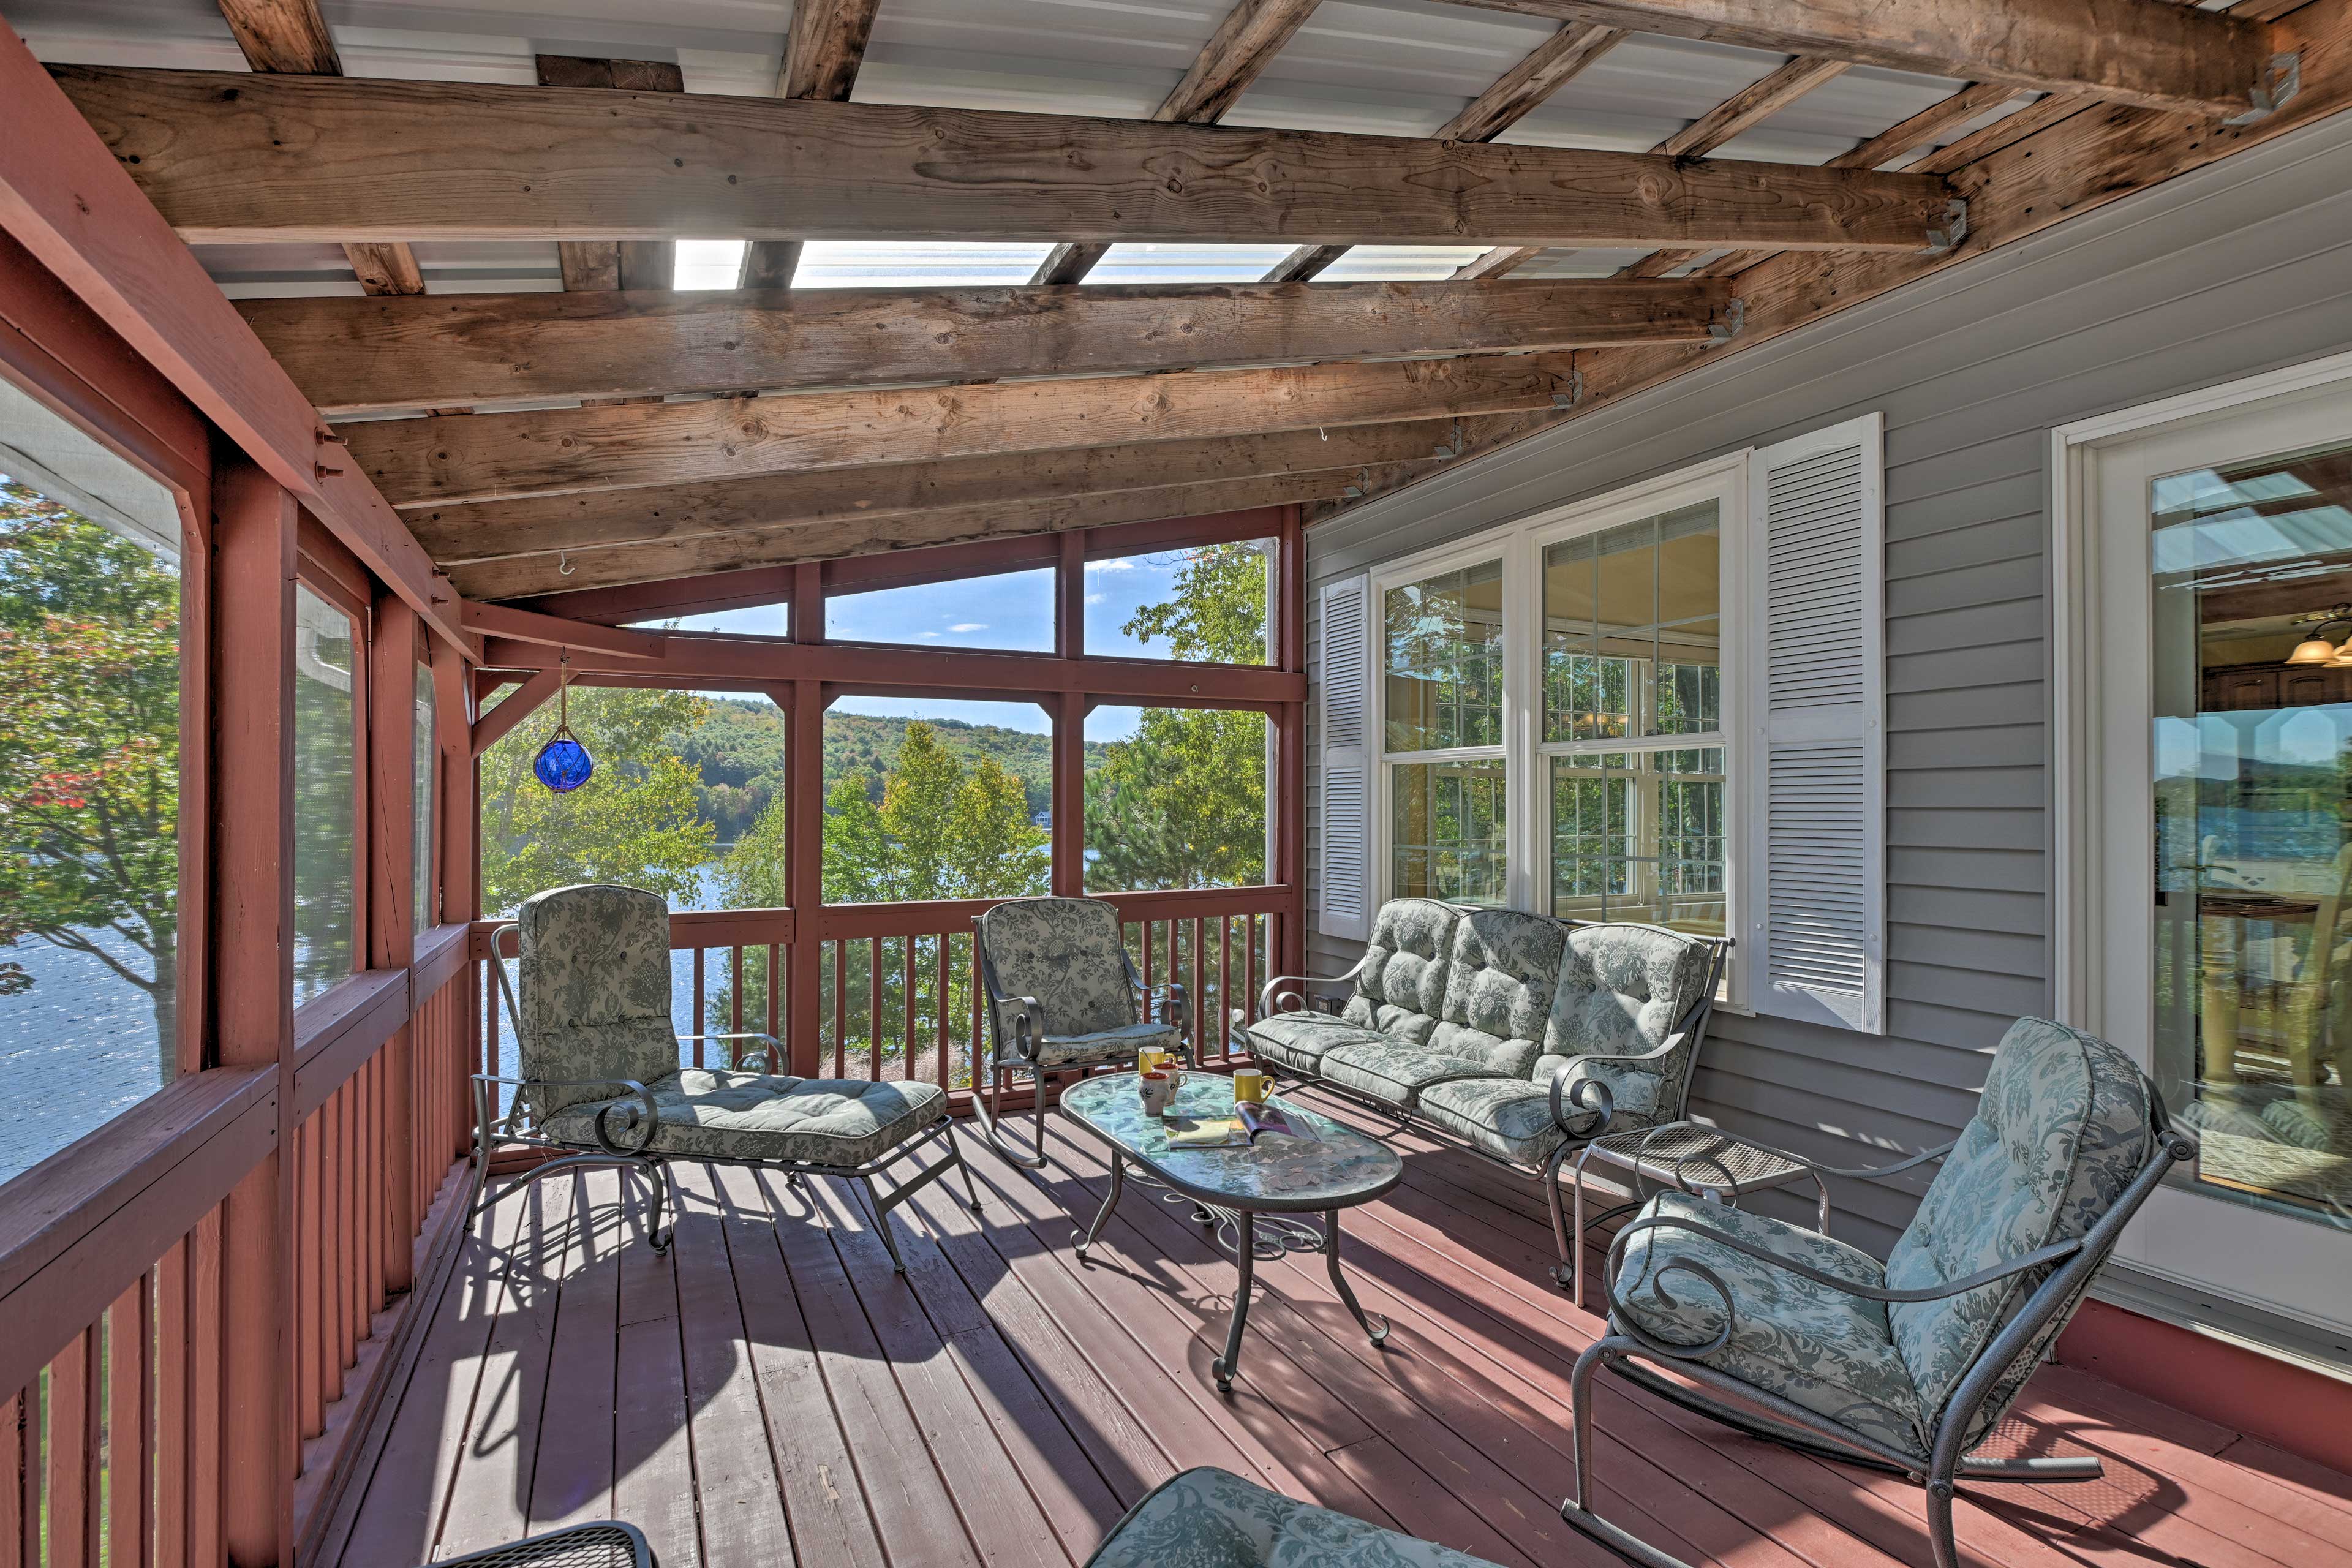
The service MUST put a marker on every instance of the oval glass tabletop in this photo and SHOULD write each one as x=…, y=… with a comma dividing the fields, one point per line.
x=1337, y=1168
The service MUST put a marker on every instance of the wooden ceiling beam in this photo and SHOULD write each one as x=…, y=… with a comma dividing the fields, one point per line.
x=1744, y=110
x=1244, y=44
x=494, y=529
x=658, y=560
x=595, y=264
x=357, y=356
x=1891, y=145
x=2142, y=52
x=1514, y=95
x=462, y=458
x=821, y=56
x=248, y=158
x=291, y=35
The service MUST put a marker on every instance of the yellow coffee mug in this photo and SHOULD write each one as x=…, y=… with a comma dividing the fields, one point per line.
x=1250, y=1086
x=1150, y=1058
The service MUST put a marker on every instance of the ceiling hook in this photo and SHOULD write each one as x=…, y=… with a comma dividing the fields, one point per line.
x=563, y=567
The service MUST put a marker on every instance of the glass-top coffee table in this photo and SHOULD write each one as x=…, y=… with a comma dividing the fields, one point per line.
x=1262, y=1194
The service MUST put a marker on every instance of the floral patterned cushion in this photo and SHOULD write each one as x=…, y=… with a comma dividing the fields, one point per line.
x=2064, y=1123
x=755, y=1116
x=1622, y=989
x=1509, y=1118
x=1398, y=1073
x=1499, y=989
x=593, y=990
x=1632, y=1092
x=1811, y=1344
x=1103, y=1046
x=1299, y=1040
x=1214, y=1519
x=1401, y=990
x=1069, y=954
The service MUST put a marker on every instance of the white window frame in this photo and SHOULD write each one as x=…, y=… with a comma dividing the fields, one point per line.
x=1527, y=758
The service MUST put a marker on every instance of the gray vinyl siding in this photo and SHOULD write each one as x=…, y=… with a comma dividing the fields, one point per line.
x=2240, y=267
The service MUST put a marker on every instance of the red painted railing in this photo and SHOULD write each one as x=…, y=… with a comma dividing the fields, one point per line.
x=899, y=992
x=123, y=1288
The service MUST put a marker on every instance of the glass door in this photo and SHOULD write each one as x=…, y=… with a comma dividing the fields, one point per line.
x=2224, y=648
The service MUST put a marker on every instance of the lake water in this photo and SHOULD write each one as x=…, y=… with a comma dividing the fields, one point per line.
x=78, y=1047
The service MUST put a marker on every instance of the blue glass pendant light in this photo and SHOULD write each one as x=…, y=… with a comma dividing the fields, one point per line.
x=563, y=764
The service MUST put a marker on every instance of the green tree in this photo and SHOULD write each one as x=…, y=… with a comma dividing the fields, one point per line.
x=941, y=829
x=635, y=821
x=89, y=753
x=1182, y=802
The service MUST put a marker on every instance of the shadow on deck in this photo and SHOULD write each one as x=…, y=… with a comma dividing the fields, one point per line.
x=770, y=1394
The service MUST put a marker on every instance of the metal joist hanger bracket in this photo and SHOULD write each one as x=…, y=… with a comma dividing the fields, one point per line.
x=2281, y=79
x=1729, y=325
x=1955, y=228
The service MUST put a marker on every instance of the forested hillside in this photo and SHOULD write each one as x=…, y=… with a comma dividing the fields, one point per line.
x=738, y=746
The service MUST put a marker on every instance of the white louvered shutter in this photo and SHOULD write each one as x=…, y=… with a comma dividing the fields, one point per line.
x=1816, y=851
x=1346, y=734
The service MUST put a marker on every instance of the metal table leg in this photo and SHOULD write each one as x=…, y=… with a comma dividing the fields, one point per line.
x=1245, y=1255
x=1339, y=1281
x=1110, y=1201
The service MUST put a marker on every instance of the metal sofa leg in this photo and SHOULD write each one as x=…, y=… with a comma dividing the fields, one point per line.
x=1567, y=1272
x=1939, y=1523
x=657, y=1232
x=970, y=1187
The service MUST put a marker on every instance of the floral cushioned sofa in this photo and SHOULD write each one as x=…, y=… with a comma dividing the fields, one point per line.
x=1518, y=1035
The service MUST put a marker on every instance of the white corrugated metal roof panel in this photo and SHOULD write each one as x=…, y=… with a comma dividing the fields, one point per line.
x=1362, y=67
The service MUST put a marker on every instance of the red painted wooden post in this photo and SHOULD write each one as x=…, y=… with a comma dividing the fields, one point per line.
x=840, y=1007
x=252, y=987
x=129, y=1397
x=393, y=916
x=874, y=1007
x=1288, y=604
x=1068, y=711
x=805, y=861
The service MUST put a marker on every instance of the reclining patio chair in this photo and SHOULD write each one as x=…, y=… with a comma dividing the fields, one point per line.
x=1063, y=997
x=601, y=1082
x=1904, y=1367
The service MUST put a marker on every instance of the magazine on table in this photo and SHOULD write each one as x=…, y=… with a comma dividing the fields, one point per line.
x=1244, y=1127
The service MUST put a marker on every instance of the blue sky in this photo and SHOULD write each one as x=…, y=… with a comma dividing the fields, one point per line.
x=1014, y=611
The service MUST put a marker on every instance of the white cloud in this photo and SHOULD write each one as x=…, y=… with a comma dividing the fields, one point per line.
x=1096, y=599
x=1111, y=565
x=969, y=627
x=926, y=636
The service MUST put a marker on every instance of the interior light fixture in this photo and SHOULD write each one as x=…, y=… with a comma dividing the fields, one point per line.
x=2316, y=647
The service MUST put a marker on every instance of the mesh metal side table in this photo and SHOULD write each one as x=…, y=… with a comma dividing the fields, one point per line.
x=606, y=1545
x=1683, y=1156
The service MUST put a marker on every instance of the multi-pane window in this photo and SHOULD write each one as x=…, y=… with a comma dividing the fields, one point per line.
x=1442, y=685
x=1631, y=676
x=326, y=741
x=90, y=783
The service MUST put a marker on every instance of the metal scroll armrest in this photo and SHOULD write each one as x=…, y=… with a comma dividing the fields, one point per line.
x=1681, y=1263
x=773, y=1055
x=644, y=1116
x=1028, y=1031
x=1301, y=989
x=1591, y=1095
x=1171, y=1005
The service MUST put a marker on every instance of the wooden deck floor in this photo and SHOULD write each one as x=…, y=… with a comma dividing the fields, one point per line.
x=771, y=1395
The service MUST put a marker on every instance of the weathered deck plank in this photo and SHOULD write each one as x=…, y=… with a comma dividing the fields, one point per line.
x=776, y=1394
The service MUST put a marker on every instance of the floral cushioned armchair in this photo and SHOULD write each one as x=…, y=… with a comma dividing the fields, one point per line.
x=1904, y=1366
x=1063, y=995
x=601, y=1079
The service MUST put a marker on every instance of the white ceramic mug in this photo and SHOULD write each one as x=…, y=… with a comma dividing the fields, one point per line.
x=1158, y=1092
